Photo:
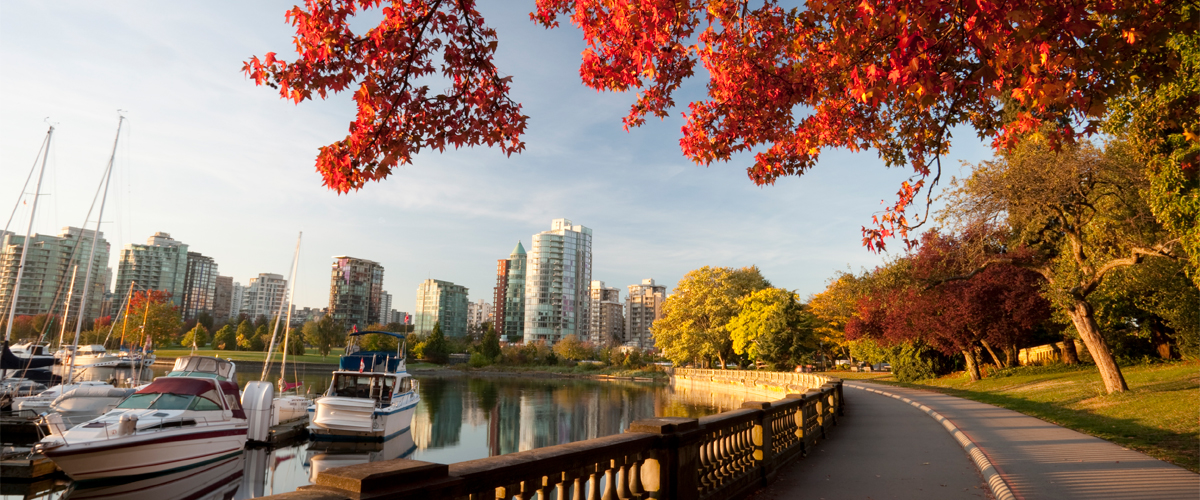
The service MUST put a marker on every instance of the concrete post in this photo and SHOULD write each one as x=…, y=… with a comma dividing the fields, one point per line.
x=673, y=469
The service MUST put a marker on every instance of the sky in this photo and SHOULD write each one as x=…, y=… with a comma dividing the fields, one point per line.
x=227, y=167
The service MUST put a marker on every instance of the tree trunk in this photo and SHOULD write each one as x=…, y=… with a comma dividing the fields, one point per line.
x=1010, y=355
x=995, y=358
x=1085, y=323
x=1069, y=355
x=972, y=363
x=1160, y=338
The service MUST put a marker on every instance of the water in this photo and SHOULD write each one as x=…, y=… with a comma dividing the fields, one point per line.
x=459, y=418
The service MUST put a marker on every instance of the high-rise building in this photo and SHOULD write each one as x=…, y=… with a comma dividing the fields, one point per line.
x=385, y=307
x=441, y=302
x=222, y=298
x=478, y=313
x=355, y=291
x=557, y=281
x=607, y=322
x=265, y=295
x=47, y=276
x=160, y=264
x=642, y=307
x=509, y=296
x=236, y=298
x=199, y=285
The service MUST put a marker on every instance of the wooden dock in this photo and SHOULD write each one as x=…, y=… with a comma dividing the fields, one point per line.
x=25, y=466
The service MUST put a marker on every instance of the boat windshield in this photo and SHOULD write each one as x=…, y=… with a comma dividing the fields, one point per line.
x=175, y=394
x=363, y=385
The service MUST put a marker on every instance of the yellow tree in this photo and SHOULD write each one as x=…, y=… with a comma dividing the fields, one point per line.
x=770, y=328
x=834, y=308
x=695, y=315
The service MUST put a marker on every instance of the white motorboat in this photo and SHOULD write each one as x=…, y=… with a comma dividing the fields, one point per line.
x=93, y=355
x=376, y=402
x=172, y=424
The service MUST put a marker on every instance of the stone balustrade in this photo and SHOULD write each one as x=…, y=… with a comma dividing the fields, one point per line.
x=723, y=456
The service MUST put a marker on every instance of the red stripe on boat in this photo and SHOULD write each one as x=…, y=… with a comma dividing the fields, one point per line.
x=122, y=443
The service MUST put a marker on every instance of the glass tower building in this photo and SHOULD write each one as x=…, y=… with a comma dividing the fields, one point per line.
x=557, y=283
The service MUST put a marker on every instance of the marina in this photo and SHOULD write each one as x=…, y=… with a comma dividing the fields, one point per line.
x=458, y=418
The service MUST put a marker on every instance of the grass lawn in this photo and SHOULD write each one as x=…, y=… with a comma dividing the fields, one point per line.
x=311, y=357
x=1158, y=416
x=858, y=375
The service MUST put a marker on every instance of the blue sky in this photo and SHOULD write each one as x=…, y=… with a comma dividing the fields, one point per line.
x=227, y=167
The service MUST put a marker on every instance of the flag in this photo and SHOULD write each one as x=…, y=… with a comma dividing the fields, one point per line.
x=361, y=365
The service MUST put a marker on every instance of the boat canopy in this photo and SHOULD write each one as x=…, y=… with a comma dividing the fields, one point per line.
x=178, y=385
x=370, y=361
x=202, y=366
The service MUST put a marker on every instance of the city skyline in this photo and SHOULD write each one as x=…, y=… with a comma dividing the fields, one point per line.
x=227, y=167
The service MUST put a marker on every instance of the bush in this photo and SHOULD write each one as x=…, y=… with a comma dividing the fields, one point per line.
x=478, y=360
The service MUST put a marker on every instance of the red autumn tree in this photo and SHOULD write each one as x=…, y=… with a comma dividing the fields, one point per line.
x=995, y=308
x=890, y=75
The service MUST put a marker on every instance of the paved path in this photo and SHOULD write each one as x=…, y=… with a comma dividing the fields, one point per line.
x=881, y=449
x=1040, y=460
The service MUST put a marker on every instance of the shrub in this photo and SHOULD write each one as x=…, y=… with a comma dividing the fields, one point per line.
x=478, y=360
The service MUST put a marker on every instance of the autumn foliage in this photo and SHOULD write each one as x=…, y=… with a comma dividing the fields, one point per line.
x=783, y=83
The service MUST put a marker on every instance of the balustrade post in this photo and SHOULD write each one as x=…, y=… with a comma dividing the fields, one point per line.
x=764, y=449
x=672, y=468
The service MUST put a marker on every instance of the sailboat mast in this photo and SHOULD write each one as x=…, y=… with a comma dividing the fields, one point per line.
x=67, y=308
x=275, y=330
x=12, y=307
x=291, y=295
x=87, y=276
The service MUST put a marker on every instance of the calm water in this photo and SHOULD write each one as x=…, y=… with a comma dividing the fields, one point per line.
x=458, y=418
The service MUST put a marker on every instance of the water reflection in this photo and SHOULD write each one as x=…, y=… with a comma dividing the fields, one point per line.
x=458, y=418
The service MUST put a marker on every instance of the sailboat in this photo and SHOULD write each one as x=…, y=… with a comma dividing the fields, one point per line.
x=284, y=407
x=174, y=423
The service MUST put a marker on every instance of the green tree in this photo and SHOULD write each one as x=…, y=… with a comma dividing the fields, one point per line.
x=323, y=334
x=198, y=336
x=378, y=341
x=490, y=347
x=226, y=338
x=1074, y=216
x=772, y=327
x=695, y=315
x=435, y=348
x=245, y=334
x=261, y=338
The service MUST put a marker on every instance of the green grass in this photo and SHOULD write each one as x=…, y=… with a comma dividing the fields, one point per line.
x=1158, y=416
x=858, y=375
x=311, y=357
x=577, y=370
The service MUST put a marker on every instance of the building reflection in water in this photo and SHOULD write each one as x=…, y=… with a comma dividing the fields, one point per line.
x=523, y=414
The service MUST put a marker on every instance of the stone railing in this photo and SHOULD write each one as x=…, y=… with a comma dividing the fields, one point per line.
x=723, y=456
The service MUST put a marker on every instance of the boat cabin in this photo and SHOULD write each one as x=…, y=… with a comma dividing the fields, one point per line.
x=376, y=386
x=203, y=366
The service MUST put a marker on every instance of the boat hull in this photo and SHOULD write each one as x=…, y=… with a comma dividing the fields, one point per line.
x=352, y=419
x=143, y=455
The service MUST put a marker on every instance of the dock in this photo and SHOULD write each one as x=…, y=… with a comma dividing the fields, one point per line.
x=284, y=433
x=23, y=465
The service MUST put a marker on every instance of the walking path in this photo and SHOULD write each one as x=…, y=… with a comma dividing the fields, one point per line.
x=1035, y=459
